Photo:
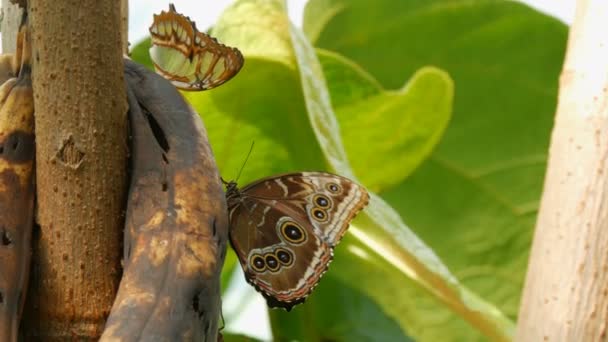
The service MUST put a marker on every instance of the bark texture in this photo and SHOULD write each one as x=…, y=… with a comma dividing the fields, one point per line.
x=80, y=126
x=176, y=227
x=566, y=290
x=124, y=29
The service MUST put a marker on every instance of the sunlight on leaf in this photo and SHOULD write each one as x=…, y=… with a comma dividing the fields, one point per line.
x=392, y=130
x=392, y=239
x=474, y=201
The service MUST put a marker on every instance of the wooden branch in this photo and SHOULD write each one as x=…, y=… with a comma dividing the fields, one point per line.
x=124, y=28
x=80, y=101
x=566, y=290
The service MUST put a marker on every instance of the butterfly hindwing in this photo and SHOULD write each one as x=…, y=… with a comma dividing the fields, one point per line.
x=293, y=219
x=281, y=262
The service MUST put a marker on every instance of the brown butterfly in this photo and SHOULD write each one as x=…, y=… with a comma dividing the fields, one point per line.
x=190, y=59
x=284, y=229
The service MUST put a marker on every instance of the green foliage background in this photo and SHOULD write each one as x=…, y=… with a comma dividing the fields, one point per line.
x=442, y=109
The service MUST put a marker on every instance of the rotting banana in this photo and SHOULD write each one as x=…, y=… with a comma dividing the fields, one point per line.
x=176, y=227
x=16, y=185
x=7, y=70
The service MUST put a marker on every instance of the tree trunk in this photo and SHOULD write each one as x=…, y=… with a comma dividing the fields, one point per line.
x=80, y=102
x=566, y=290
x=124, y=29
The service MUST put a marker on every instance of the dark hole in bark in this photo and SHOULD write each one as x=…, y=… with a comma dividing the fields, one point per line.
x=159, y=135
x=5, y=239
x=165, y=186
x=196, y=307
x=214, y=227
x=195, y=303
x=1, y=298
x=1, y=149
x=35, y=232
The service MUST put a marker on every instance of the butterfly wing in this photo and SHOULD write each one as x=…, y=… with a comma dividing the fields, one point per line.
x=280, y=256
x=190, y=59
x=284, y=228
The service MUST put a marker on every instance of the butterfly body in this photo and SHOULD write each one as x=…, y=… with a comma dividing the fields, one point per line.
x=190, y=59
x=284, y=229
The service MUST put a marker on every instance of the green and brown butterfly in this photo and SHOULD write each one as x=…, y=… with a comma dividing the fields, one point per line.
x=190, y=59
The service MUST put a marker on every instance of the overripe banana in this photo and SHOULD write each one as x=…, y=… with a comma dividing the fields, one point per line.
x=16, y=185
x=7, y=68
x=176, y=228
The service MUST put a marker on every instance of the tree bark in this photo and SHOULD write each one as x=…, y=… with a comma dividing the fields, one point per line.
x=566, y=290
x=124, y=29
x=80, y=101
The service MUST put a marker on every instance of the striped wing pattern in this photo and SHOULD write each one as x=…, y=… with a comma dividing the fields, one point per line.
x=190, y=59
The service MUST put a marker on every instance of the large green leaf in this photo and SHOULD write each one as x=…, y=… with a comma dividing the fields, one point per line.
x=475, y=199
x=228, y=337
x=261, y=105
x=395, y=130
x=338, y=312
x=385, y=233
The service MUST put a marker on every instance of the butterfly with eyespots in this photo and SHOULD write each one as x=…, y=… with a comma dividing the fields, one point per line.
x=284, y=229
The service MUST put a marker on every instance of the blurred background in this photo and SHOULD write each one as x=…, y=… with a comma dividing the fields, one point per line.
x=252, y=318
x=206, y=13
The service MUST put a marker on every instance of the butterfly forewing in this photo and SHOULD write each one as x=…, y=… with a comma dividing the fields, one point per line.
x=296, y=219
x=309, y=191
x=190, y=59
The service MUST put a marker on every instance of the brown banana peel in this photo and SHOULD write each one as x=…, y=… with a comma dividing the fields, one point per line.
x=7, y=69
x=176, y=222
x=17, y=191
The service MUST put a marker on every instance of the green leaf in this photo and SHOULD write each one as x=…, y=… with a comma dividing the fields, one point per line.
x=230, y=263
x=475, y=199
x=263, y=104
x=384, y=232
x=140, y=53
x=228, y=337
x=337, y=312
x=395, y=130
x=266, y=35
x=247, y=110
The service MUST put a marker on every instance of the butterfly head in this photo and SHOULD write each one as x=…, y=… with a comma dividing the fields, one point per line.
x=232, y=191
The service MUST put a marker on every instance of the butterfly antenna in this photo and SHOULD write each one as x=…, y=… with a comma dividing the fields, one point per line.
x=246, y=159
